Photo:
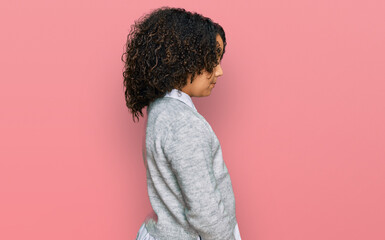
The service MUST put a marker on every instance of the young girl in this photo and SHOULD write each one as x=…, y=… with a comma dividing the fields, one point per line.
x=172, y=55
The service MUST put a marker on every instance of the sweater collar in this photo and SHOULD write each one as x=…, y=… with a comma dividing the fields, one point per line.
x=182, y=96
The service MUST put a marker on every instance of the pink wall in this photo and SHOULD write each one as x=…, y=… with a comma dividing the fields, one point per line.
x=299, y=112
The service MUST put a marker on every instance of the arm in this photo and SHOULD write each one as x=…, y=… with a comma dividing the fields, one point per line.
x=188, y=149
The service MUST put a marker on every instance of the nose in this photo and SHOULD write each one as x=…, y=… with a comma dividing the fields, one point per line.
x=218, y=70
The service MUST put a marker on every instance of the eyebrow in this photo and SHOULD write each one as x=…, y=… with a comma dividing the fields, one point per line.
x=221, y=50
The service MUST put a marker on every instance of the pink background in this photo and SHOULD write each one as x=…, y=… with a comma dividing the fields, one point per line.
x=299, y=111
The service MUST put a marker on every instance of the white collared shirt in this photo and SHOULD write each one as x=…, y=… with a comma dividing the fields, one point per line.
x=143, y=234
x=182, y=96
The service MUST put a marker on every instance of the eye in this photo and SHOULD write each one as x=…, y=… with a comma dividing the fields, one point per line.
x=219, y=53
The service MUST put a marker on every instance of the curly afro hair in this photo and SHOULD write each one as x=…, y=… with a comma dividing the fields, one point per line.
x=163, y=48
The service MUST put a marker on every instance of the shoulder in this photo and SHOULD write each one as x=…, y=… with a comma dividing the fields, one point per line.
x=173, y=113
x=169, y=116
x=185, y=134
x=178, y=120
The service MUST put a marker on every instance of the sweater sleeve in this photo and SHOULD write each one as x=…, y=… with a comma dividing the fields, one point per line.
x=188, y=150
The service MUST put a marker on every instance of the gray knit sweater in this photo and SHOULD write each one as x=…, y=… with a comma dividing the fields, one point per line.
x=189, y=186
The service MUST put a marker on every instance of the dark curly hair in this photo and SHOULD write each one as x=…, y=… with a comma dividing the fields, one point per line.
x=163, y=48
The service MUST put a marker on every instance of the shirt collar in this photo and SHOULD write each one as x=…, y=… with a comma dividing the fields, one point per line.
x=182, y=96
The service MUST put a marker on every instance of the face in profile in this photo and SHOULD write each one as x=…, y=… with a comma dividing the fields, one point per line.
x=204, y=83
